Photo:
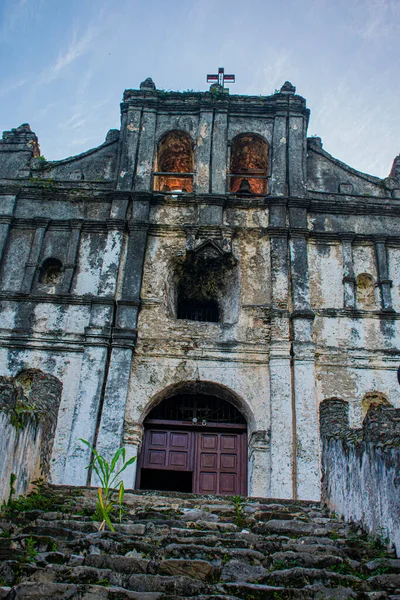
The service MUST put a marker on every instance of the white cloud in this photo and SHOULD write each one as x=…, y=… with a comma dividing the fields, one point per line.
x=78, y=46
x=6, y=88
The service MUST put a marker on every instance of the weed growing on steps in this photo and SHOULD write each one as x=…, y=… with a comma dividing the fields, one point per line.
x=5, y=534
x=13, y=479
x=36, y=500
x=239, y=510
x=31, y=553
x=108, y=474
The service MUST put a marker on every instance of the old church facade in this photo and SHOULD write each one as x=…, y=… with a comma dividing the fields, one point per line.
x=199, y=284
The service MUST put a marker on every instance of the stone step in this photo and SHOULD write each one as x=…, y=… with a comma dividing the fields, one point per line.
x=177, y=546
x=69, y=591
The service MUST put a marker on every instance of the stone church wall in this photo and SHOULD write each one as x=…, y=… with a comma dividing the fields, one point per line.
x=308, y=283
x=29, y=406
x=361, y=468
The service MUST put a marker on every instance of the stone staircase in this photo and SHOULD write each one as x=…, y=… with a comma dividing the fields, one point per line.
x=173, y=545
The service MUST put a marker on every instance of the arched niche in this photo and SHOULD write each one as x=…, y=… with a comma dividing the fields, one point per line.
x=248, y=173
x=333, y=417
x=201, y=387
x=195, y=440
x=50, y=271
x=372, y=400
x=365, y=292
x=174, y=163
x=204, y=286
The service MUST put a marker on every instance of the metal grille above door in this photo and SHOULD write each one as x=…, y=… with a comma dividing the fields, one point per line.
x=199, y=407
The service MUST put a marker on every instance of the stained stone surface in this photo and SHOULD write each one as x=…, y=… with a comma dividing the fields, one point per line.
x=308, y=286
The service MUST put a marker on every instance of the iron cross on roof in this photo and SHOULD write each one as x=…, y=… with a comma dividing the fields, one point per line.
x=221, y=78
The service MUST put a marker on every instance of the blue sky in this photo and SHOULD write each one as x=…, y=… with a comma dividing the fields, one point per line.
x=65, y=63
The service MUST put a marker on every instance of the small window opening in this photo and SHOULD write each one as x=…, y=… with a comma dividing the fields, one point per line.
x=200, y=283
x=175, y=163
x=50, y=271
x=249, y=165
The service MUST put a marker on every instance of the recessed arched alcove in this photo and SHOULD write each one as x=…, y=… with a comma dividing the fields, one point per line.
x=195, y=440
x=204, y=286
x=174, y=163
x=50, y=271
x=248, y=164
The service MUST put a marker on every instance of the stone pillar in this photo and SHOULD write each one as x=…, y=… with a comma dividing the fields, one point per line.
x=129, y=138
x=36, y=247
x=7, y=210
x=281, y=415
x=86, y=410
x=132, y=441
x=384, y=282
x=299, y=274
x=202, y=183
x=111, y=427
x=349, y=280
x=72, y=254
x=278, y=180
x=144, y=171
x=306, y=413
x=297, y=155
x=111, y=257
x=260, y=464
x=305, y=401
x=5, y=222
x=280, y=360
x=219, y=151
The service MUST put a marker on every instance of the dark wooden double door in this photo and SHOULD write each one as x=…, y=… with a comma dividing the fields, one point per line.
x=211, y=461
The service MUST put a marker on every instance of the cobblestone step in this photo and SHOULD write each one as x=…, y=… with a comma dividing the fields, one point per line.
x=181, y=546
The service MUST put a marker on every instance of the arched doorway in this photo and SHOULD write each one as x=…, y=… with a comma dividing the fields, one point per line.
x=194, y=442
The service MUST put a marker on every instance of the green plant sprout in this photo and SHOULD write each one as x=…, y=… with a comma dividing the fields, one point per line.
x=108, y=474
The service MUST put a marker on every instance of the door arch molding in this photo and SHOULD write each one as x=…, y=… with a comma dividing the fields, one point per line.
x=208, y=388
x=180, y=452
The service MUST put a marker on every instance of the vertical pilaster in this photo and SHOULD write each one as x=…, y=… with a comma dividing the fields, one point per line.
x=299, y=273
x=281, y=413
x=219, y=151
x=113, y=413
x=202, y=176
x=145, y=161
x=111, y=257
x=86, y=410
x=110, y=434
x=297, y=155
x=5, y=222
x=132, y=441
x=260, y=464
x=306, y=419
x=7, y=211
x=349, y=281
x=384, y=282
x=303, y=350
x=36, y=247
x=129, y=139
x=280, y=360
x=278, y=152
x=72, y=254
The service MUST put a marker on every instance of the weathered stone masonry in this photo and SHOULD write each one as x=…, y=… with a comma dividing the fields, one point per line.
x=309, y=301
